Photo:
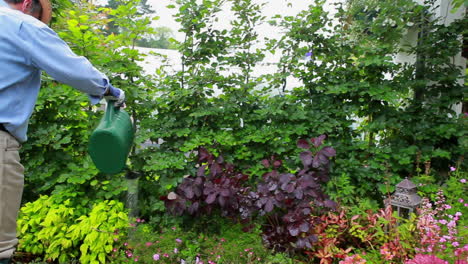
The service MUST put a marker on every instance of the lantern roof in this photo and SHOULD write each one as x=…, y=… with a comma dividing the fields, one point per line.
x=406, y=184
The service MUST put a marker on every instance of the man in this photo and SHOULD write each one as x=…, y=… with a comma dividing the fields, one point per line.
x=27, y=46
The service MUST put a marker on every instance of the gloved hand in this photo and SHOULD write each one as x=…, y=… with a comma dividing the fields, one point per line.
x=115, y=94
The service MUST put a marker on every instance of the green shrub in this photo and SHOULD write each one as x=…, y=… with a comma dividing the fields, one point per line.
x=65, y=231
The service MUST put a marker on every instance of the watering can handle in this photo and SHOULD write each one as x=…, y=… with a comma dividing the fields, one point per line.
x=110, y=111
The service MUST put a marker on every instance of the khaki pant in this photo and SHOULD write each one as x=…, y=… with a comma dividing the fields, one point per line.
x=11, y=190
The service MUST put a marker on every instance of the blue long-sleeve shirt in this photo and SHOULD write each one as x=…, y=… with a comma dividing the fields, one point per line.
x=28, y=46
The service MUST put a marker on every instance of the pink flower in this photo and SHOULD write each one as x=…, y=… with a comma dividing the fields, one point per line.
x=463, y=180
x=426, y=259
x=455, y=244
x=166, y=255
x=453, y=169
x=386, y=254
x=452, y=224
x=156, y=256
x=148, y=244
x=136, y=259
x=129, y=254
x=176, y=250
x=354, y=259
x=459, y=251
x=178, y=240
x=461, y=200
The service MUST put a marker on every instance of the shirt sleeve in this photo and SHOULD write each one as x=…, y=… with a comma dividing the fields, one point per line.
x=44, y=49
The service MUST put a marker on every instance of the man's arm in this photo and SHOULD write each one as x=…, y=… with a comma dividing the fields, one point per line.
x=47, y=51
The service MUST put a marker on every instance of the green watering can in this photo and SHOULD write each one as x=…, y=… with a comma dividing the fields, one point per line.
x=111, y=141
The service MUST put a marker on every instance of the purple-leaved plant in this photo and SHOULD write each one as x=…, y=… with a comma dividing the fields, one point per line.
x=285, y=200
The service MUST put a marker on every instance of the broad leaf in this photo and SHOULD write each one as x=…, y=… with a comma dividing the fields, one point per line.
x=211, y=198
x=302, y=143
x=269, y=205
x=306, y=158
x=317, y=141
x=328, y=151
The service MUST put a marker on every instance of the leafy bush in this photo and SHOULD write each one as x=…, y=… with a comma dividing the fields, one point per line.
x=65, y=231
x=286, y=200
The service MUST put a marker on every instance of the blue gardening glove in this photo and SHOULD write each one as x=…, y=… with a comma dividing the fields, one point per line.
x=116, y=95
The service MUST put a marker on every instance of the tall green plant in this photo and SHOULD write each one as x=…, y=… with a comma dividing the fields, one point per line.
x=55, y=156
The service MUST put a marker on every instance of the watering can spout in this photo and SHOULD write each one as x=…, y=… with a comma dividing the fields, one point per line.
x=111, y=141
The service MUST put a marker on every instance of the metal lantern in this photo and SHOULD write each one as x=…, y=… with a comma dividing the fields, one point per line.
x=405, y=199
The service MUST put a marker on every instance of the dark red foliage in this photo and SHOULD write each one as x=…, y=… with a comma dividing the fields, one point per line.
x=216, y=185
x=286, y=200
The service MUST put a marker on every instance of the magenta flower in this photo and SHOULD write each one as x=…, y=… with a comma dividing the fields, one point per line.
x=463, y=180
x=176, y=250
x=459, y=251
x=178, y=240
x=156, y=256
x=453, y=169
x=148, y=244
x=426, y=259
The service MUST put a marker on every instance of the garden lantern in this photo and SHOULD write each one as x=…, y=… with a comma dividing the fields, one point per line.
x=405, y=199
